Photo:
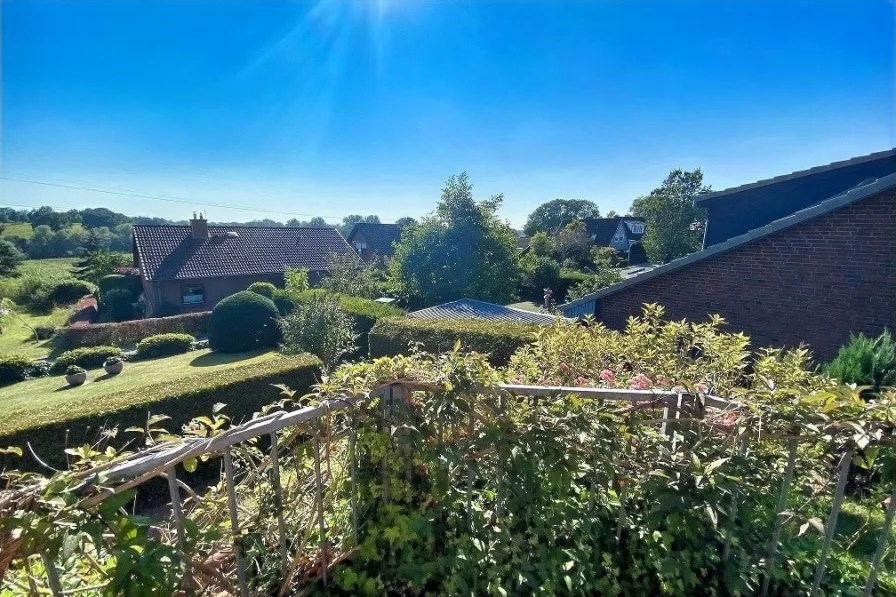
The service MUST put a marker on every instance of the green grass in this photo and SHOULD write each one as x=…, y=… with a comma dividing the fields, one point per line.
x=17, y=338
x=526, y=306
x=50, y=397
x=56, y=268
x=21, y=230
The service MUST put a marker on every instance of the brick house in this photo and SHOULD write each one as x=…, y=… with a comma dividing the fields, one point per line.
x=191, y=268
x=374, y=242
x=619, y=233
x=815, y=276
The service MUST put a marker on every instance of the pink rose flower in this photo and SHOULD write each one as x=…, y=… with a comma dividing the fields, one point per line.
x=640, y=382
x=607, y=375
x=564, y=368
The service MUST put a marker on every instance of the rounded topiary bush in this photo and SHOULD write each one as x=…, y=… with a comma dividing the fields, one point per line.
x=14, y=367
x=163, y=345
x=263, y=288
x=243, y=321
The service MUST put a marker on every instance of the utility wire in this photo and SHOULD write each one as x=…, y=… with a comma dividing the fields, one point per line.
x=182, y=200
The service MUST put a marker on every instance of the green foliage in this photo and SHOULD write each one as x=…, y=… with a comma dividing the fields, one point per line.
x=266, y=288
x=669, y=212
x=350, y=275
x=349, y=221
x=319, y=327
x=94, y=265
x=866, y=362
x=74, y=370
x=542, y=245
x=554, y=215
x=88, y=357
x=637, y=254
x=10, y=259
x=499, y=340
x=462, y=250
x=15, y=368
x=131, y=283
x=538, y=273
x=118, y=304
x=573, y=243
x=605, y=257
x=164, y=345
x=296, y=280
x=243, y=321
x=40, y=295
x=594, y=282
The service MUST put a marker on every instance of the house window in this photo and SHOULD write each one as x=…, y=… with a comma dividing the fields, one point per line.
x=618, y=238
x=192, y=294
x=360, y=247
x=637, y=227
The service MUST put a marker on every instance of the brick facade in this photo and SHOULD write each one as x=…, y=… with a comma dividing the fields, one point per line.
x=814, y=283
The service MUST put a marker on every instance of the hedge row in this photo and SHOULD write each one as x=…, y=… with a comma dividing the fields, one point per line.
x=129, y=333
x=87, y=357
x=245, y=390
x=365, y=312
x=164, y=345
x=18, y=367
x=497, y=339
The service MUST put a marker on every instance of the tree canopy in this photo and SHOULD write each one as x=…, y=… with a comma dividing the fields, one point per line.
x=462, y=250
x=554, y=215
x=10, y=259
x=669, y=213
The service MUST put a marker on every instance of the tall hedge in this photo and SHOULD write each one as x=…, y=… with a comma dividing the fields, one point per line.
x=128, y=333
x=497, y=339
x=132, y=284
x=243, y=321
x=245, y=390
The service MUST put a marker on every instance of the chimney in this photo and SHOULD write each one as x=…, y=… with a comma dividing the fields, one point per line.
x=199, y=226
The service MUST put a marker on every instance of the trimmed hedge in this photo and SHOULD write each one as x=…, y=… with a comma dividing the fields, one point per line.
x=364, y=312
x=245, y=390
x=497, y=339
x=87, y=357
x=243, y=321
x=130, y=283
x=568, y=279
x=14, y=368
x=263, y=288
x=128, y=333
x=164, y=345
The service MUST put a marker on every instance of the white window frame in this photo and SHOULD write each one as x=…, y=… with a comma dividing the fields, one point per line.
x=194, y=298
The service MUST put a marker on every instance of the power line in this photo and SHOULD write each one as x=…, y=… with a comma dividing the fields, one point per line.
x=170, y=199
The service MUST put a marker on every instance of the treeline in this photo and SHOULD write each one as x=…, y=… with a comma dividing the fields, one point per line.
x=67, y=233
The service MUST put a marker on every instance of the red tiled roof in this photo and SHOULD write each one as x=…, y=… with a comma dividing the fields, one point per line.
x=171, y=253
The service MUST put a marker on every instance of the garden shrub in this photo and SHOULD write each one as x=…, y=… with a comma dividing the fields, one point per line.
x=568, y=279
x=593, y=283
x=15, y=368
x=118, y=303
x=128, y=333
x=87, y=357
x=263, y=288
x=866, y=361
x=319, y=327
x=164, y=345
x=130, y=283
x=244, y=389
x=637, y=254
x=243, y=321
x=497, y=339
x=42, y=294
x=539, y=273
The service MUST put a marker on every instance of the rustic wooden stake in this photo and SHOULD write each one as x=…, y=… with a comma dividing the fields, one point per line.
x=831, y=526
x=319, y=498
x=779, y=517
x=52, y=576
x=732, y=521
x=881, y=544
x=176, y=510
x=235, y=523
x=352, y=440
x=278, y=502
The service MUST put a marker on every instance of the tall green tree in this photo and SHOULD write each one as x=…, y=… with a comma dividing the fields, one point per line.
x=554, y=215
x=462, y=250
x=669, y=213
x=10, y=259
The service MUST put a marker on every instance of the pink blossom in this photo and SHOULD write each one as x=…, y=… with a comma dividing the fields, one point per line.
x=677, y=389
x=701, y=388
x=660, y=380
x=640, y=382
x=607, y=375
x=564, y=368
x=581, y=381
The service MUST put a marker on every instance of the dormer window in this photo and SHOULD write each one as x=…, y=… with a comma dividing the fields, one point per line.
x=360, y=246
x=636, y=227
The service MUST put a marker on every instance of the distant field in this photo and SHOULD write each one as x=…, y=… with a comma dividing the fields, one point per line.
x=51, y=268
x=17, y=338
x=16, y=230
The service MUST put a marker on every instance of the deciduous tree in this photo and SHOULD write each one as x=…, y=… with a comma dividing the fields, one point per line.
x=554, y=215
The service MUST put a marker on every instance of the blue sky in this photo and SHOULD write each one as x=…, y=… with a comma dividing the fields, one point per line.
x=333, y=107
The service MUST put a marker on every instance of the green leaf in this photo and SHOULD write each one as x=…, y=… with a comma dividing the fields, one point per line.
x=218, y=407
x=714, y=465
x=12, y=450
x=157, y=419
x=568, y=566
x=190, y=465
x=713, y=517
x=117, y=501
x=568, y=582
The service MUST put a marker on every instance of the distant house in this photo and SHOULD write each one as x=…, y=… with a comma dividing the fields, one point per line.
x=374, y=241
x=619, y=232
x=522, y=243
x=823, y=271
x=191, y=268
x=473, y=309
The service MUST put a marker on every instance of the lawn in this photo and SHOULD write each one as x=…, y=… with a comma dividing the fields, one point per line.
x=20, y=230
x=56, y=268
x=50, y=394
x=526, y=306
x=18, y=338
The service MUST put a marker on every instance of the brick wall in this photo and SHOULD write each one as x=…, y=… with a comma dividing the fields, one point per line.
x=814, y=283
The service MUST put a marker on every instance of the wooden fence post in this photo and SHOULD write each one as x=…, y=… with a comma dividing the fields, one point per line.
x=235, y=523
x=319, y=499
x=881, y=544
x=278, y=501
x=779, y=517
x=831, y=526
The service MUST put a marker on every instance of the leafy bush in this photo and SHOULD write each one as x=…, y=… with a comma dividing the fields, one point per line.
x=74, y=370
x=499, y=340
x=118, y=303
x=245, y=389
x=866, y=362
x=164, y=345
x=89, y=358
x=602, y=279
x=243, y=321
x=263, y=288
x=539, y=273
x=321, y=328
x=128, y=333
x=637, y=254
x=41, y=295
x=351, y=276
x=296, y=280
x=14, y=368
x=111, y=361
x=131, y=283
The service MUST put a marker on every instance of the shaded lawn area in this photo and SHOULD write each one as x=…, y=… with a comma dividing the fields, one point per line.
x=25, y=399
x=17, y=338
